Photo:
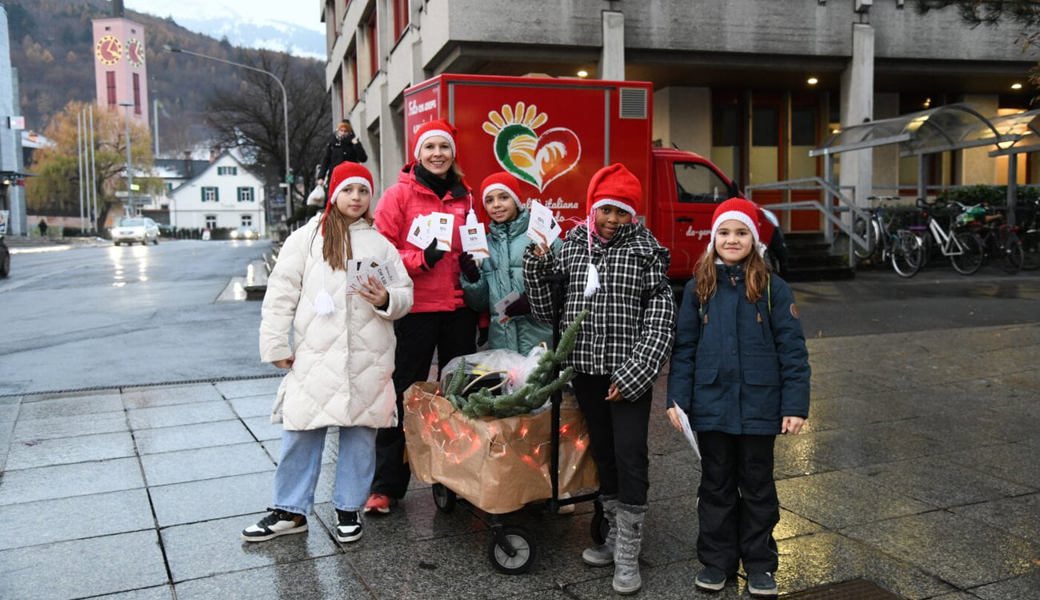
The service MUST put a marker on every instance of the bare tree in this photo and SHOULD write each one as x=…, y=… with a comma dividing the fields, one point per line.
x=248, y=113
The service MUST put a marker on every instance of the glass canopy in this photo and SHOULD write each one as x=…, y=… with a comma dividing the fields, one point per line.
x=940, y=129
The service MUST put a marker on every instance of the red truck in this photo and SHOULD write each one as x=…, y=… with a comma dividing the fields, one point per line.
x=553, y=134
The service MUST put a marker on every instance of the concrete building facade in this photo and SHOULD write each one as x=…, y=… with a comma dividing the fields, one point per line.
x=12, y=177
x=753, y=85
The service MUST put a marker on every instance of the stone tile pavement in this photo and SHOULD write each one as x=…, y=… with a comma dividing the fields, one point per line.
x=918, y=471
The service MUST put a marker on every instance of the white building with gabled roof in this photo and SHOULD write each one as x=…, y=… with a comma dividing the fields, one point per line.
x=226, y=194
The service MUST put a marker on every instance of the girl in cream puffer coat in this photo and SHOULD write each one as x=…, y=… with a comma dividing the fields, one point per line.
x=341, y=357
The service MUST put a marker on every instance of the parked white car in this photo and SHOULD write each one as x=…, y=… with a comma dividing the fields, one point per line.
x=135, y=229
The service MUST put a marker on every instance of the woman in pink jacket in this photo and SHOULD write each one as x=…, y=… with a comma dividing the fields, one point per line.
x=439, y=319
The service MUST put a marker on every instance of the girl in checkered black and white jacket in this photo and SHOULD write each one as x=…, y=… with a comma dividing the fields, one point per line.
x=614, y=267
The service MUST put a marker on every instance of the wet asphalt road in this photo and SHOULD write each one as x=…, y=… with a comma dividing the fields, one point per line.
x=102, y=316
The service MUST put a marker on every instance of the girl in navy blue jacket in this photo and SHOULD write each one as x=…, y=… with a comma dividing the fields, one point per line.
x=740, y=370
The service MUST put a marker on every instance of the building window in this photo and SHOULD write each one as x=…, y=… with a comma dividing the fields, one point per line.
x=227, y=170
x=110, y=85
x=400, y=18
x=211, y=221
x=352, y=67
x=137, y=94
x=210, y=194
x=169, y=188
x=247, y=220
x=245, y=194
x=373, y=47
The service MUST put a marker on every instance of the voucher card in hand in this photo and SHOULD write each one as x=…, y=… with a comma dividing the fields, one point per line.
x=358, y=272
x=442, y=226
x=542, y=228
x=500, y=307
x=474, y=240
x=420, y=234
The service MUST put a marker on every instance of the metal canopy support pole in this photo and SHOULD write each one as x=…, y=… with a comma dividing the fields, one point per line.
x=1012, y=188
x=922, y=188
x=828, y=199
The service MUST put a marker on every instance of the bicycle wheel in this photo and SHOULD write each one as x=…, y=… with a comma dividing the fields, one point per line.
x=968, y=253
x=1031, y=250
x=907, y=253
x=1013, y=253
x=867, y=229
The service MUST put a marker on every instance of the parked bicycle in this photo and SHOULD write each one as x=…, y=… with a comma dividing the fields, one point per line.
x=1029, y=232
x=963, y=248
x=898, y=246
x=999, y=241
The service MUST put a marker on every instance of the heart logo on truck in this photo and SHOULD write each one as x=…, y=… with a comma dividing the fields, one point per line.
x=536, y=159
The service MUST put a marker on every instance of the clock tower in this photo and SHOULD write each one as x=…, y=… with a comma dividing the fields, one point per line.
x=120, y=66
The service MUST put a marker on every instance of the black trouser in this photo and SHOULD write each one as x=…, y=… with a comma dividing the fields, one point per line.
x=617, y=435
x=418, y=334
x=737, y=503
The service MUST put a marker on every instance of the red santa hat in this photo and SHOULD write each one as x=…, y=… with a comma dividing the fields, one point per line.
x=431, y=129
x=502, y=182
x=615, y=186
x=343, y=175
x=738, y=209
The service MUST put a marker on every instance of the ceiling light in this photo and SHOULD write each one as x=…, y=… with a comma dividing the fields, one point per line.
x=1016, y=86
x=583, y=73
x=812, y=81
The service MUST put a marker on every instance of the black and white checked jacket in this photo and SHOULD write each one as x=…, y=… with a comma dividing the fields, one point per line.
x=628, y=334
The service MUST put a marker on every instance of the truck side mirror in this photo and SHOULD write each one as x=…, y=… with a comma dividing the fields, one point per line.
x=734, y=190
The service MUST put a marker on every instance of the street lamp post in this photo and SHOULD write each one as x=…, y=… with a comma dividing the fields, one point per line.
x=285, y=111
x=129, y=165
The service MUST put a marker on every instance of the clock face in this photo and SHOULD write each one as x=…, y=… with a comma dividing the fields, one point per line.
x=108, y=50
x=135, y=52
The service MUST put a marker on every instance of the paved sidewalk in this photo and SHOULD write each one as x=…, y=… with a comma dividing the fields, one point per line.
x=918, y=472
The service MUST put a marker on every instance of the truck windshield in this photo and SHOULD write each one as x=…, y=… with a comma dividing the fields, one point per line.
x=696, y=182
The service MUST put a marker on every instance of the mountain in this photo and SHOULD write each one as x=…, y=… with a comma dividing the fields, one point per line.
x=280, y=36
x=51, y=47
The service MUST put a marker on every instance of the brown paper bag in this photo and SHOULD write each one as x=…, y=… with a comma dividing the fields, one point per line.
x=498, y=465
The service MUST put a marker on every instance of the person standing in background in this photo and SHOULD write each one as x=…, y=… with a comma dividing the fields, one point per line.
x=343, y=147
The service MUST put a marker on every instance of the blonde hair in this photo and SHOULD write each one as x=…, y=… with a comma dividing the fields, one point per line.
x=336, y=229
x=756, y=275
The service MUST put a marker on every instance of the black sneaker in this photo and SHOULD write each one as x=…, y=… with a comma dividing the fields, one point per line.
x=761, y=585
x=710, y=579
x=279, y=522
x=348, y=527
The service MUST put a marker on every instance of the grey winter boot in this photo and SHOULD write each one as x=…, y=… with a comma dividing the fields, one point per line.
x=629, y=543
x=603, y=554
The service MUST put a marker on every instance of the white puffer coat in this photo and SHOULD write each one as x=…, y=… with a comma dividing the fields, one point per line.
x=343, y=364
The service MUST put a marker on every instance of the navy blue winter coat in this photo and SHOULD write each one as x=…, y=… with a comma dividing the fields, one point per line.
x=741, y=367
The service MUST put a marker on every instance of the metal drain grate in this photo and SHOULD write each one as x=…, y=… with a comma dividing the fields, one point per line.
x=857, y=589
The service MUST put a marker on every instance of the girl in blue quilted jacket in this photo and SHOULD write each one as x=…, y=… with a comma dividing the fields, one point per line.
x=485, y=285
x=740, y=370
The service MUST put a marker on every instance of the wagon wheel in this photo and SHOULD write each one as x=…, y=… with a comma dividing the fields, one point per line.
x=512, y=551
x=443, y=498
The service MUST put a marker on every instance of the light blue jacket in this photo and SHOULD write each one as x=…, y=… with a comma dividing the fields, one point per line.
x=501, y=274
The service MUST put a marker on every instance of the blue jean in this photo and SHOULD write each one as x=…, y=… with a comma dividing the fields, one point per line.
x=300, y=464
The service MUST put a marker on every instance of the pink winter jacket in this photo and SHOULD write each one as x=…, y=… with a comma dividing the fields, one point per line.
x=436, y=289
